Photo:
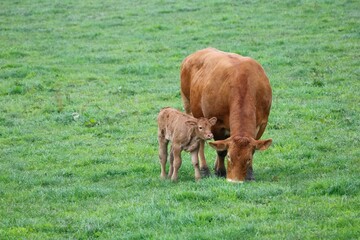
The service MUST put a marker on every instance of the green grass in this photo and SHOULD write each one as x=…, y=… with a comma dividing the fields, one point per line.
x=81, y=84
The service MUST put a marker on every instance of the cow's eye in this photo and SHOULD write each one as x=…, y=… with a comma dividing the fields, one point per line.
x=200, y=128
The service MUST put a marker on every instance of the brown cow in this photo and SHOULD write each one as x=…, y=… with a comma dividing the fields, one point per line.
x=185, y=133
x=236, y=91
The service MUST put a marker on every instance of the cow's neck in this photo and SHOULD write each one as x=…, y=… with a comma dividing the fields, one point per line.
x=242, y=119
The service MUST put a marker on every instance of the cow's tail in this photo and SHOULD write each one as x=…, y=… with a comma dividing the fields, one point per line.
x=186, y=103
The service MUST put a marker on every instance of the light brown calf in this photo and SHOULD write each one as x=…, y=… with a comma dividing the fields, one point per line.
x=185, y=133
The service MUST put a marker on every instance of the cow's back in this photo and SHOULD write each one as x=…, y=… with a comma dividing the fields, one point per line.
x=212, y=81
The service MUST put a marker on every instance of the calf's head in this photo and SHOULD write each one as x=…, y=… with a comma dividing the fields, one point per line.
x=202, y=127
x=240, y=152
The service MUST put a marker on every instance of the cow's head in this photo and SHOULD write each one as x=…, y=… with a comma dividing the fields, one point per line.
x=202, y=127
x=240, y=152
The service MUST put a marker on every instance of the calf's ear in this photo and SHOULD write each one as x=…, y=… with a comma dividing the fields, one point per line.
x=220, y=145
x=191, y=123
x=263, y=144
x=213, y=121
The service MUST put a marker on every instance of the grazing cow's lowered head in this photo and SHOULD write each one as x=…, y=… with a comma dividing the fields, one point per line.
x=240, y=152
x=202, y=127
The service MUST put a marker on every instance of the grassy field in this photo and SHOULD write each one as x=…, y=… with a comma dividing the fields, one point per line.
x=81, y=84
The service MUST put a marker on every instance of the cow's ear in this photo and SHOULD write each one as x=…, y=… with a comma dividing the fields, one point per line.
x=220, y=145
x=263, y=144
x=213, y=121
x=191, y=123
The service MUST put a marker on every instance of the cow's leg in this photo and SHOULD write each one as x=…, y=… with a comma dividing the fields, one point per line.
x=195, y=162
x=171, y=169
x=163, y=155
x=220, y=133
x=204, y=169
x=177, y=162
x=249, y=171
x=220, y=170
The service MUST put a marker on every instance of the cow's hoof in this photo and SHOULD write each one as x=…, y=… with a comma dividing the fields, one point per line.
x=250, y=174
x=220, y=173
x=250, y=178
x=205, y=172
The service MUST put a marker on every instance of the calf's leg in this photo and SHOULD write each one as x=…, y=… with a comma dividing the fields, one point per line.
x=204, y=169
x=177, y=162
x=171, y=168
x=195, y=162
x=163, y=155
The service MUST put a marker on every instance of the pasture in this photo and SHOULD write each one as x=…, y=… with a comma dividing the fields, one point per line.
x=82, y=82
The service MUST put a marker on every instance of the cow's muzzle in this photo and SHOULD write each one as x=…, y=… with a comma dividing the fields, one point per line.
x=234, y=181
